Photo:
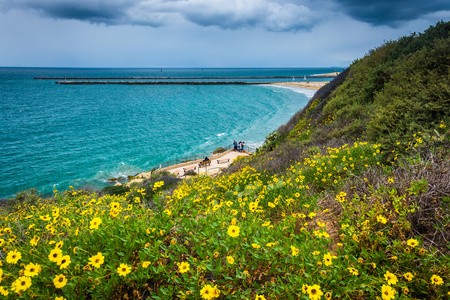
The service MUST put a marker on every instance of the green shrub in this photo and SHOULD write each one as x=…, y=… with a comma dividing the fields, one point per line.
x=219, y=150
x=115, y=190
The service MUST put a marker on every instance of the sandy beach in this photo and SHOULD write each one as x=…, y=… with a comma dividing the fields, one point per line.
x=313, y=85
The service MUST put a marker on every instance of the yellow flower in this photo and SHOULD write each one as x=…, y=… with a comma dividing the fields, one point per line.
x=256, y=246
x=311, y=215
x=353, y=271
x=183, y=267
x=60, y=281
x=294, y=251
x=390, y=180
x=87, y=268
x=13, y=257
x=3, y=291
x=64, y=262
x=314, y=292
x=412, y=243
x=436, y=280
x=208, y=292
x=304, y=289
x=328, y=295
x=408, y=276
x=230, y=260
x=45, y=218
x=97, y=260
x=21, y=284
x=327, y=258
x=59, y=244
x=60, y=298
x=31, y=270
x=260, y=297
x=145, y=264
x=381, y=219
x=391, y=278
x=387, y=293
x=316, y=253
x=233, y=231
x=123, y=270
x=34, y=241
x=95, y=223
x=55, y=255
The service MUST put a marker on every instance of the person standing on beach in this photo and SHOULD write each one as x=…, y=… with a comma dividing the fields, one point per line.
x=240, y=146
x=243, y=146
x=235, y=145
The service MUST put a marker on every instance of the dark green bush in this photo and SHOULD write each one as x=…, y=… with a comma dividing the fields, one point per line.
x=29, y=197
x=219, y=150
x=115, y=190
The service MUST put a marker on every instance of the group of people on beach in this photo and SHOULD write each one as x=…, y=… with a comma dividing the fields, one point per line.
x=239, y=146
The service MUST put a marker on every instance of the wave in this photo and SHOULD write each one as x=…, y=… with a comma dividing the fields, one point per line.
x=122, y=170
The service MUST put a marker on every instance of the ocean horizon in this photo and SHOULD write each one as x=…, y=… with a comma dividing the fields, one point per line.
x=54, y=136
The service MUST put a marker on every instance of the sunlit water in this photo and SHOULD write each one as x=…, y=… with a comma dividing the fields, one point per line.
x=81, y=135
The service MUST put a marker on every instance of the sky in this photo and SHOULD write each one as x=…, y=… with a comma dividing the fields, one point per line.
x=205, y=33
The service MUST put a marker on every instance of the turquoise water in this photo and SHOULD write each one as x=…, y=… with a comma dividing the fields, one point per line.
x=60, y=135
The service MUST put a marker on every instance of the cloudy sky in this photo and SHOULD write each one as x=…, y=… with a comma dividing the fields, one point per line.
x=205, y=33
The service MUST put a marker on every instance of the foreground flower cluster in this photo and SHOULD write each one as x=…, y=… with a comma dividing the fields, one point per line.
x=244, y=235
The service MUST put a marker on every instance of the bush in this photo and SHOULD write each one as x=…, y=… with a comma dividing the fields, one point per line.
x=219, y=150
x=115, y=190
x=27, y=197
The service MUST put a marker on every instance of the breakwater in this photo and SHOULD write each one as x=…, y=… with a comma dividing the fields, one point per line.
x=161, y=82
x=183, y=78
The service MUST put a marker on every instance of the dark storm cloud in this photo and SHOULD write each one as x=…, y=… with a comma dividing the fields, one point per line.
x=391, y=12
x=271, y=15
x=109, y=12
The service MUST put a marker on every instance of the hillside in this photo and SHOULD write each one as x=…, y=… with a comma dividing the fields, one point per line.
x=348, y=200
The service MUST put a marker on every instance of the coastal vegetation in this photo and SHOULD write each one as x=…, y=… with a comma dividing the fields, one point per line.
x=348, y=200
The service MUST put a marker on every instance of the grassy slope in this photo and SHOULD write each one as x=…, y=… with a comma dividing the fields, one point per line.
x=348, y=200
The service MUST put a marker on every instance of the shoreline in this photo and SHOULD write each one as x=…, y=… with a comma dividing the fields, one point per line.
x=97, y=179
x=312, y=85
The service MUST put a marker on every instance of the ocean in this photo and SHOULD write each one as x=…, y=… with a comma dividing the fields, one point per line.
x=56, y=136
